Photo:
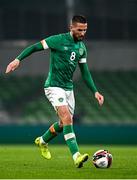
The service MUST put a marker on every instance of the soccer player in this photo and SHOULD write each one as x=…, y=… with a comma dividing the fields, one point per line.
x=66, y=51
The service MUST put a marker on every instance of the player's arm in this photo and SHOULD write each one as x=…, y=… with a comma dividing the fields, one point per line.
x=86, y=75
x=25, y=53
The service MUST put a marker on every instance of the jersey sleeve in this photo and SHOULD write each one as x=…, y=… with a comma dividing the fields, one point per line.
x=53, y=41
x=83, y=58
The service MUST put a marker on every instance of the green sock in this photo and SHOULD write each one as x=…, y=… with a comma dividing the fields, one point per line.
x=70, y=139
x=52, y=132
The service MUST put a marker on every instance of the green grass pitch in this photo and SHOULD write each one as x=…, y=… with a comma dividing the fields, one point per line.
x=25, y=162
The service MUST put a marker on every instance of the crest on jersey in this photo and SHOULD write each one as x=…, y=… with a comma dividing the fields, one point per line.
x=81, y=51
x=60, y=99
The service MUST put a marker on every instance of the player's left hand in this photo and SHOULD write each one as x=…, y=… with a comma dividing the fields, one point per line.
x=12, y=66
x=99, y=98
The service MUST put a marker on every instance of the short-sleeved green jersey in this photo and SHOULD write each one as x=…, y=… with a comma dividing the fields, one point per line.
x=64, y=56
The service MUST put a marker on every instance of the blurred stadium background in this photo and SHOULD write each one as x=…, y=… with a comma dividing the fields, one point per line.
x=112, y=57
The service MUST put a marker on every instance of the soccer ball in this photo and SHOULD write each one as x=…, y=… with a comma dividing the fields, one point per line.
x=102, y=159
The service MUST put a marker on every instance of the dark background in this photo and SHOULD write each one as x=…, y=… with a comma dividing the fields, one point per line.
x=108, y=19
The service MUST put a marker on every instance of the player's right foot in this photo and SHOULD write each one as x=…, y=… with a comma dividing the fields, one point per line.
x=44, y=148
x=80, y=160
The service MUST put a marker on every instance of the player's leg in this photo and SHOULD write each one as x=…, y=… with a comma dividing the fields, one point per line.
x=78, y=160
x=69, y=135
x=56, y=97
x=51, y=133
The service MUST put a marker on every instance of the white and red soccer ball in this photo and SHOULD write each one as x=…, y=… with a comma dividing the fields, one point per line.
x=102, y=159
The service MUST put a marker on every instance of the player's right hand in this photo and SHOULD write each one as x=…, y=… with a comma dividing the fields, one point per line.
x=12, y=66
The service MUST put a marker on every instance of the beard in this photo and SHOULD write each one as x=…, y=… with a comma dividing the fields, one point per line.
x=80, y=38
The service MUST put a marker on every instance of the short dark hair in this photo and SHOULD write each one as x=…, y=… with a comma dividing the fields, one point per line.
x=79, y=19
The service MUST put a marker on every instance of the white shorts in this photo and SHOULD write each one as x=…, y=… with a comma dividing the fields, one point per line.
x=59, y=97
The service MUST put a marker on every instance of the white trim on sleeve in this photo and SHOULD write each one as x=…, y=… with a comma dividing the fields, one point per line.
x=83, y=60
x=44, y=44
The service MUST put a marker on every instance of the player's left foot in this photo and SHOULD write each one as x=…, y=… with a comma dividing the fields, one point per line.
x=80, y=160
x=44, y=149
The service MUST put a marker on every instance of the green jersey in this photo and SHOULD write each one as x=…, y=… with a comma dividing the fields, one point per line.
x=65, y=54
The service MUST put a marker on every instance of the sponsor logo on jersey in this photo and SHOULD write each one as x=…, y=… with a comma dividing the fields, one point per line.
x=60, y=99
x=65, y=48
x=81, y=51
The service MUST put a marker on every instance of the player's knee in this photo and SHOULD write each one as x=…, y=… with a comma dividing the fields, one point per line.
x=64, y=115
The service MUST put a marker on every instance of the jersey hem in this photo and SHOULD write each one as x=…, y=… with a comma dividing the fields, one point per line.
x=65, y=88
